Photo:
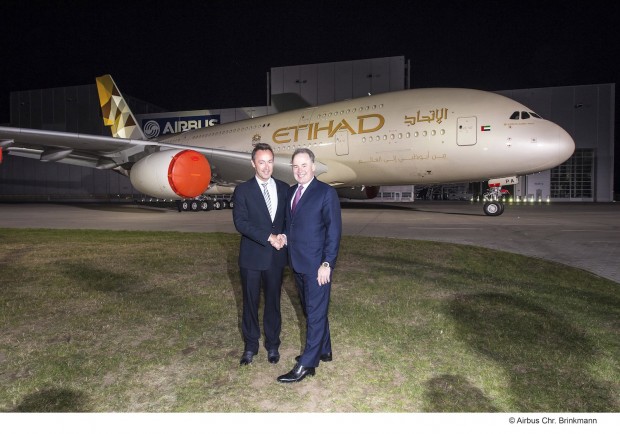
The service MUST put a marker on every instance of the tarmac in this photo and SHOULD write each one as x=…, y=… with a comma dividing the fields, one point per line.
x=582, y=235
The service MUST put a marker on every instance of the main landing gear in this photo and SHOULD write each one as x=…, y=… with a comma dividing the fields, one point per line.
x=206, y=204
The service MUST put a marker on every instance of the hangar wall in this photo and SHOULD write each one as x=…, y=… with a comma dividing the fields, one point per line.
x=324, y=83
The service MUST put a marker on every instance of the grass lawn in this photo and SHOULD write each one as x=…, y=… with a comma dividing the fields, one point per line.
x=105, y=321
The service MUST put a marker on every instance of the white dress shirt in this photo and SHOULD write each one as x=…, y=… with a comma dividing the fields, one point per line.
x=273, y=194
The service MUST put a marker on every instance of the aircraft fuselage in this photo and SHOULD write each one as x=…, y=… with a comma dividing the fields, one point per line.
x=407, y=137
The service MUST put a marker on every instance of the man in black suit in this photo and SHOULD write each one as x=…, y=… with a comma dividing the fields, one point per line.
x=258, y=215
x=313, y=231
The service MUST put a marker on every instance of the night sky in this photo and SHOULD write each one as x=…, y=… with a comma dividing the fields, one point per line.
x=215, y=54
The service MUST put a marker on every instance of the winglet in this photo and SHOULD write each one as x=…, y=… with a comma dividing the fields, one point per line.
x=115, y=110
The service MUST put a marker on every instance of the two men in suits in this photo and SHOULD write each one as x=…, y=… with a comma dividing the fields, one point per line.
x=312, y=234
x=258, y=215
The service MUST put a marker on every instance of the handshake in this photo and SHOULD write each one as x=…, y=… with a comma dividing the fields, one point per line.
x=277, y=241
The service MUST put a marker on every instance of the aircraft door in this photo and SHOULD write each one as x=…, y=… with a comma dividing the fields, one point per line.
x=466, y=132
x=342, y=142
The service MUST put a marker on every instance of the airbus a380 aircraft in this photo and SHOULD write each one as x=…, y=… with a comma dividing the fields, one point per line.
x=419, y=136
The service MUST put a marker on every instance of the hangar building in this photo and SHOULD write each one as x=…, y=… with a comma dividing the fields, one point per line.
x=585, y=112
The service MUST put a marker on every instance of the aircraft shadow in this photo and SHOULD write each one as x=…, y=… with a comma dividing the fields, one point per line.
x=411, y=208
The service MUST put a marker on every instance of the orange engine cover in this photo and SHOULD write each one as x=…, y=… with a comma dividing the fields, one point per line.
x=172, y=174
x=189, y=173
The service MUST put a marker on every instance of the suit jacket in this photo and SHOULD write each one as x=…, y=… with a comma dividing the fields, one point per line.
x=314, y=230
x=252, y=220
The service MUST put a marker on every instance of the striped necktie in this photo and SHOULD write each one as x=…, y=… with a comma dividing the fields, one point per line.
x=267, y=197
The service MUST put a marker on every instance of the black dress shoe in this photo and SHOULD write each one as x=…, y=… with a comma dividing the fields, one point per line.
x=247, y=357
x=327, y=357
x=324, y=357
x=273, y=356
x=298, y=373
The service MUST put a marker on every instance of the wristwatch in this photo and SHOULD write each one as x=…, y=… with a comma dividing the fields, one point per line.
x=325, y=264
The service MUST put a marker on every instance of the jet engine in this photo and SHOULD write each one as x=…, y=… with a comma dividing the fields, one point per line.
x=364, y=192
x=172, y=174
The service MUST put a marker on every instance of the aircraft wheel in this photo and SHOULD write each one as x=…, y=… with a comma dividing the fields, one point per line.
x=493, y=209
x=204, y=205
x=225, y=204
x=194, y=205
x=184, y=206
x=231, y=204
x=217, y=205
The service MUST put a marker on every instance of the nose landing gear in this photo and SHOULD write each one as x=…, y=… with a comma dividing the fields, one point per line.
x=493, y=206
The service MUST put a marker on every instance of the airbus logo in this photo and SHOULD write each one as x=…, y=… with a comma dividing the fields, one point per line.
x=151, y=129
x=161, y=126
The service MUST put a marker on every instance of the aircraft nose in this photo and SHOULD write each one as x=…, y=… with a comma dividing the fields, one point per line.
x=565, y=145
x=553, y=147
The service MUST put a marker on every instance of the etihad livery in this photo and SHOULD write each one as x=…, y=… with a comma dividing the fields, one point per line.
x=418, y=136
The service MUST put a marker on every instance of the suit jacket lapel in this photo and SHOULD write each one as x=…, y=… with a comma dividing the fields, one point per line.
x=281, y=192
x=289, y=199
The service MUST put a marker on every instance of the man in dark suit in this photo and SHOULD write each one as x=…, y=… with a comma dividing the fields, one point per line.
x=313, y=231
x=258, y=215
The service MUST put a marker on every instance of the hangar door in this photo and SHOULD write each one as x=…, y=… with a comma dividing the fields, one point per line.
x=466, y=131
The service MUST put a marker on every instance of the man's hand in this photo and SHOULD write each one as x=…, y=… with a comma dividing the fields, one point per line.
x=276, y=241
x=324, y=275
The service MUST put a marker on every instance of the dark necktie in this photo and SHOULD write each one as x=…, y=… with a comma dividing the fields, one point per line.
x=297, y=196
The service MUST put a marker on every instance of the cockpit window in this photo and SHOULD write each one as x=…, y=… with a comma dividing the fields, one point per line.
x=524, y=115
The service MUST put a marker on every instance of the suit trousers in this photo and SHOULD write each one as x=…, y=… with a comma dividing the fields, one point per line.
x=315, y=304
x=271, y=280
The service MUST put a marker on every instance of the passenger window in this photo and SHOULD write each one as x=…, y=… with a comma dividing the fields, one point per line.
x=515, y=116
x=524, y=115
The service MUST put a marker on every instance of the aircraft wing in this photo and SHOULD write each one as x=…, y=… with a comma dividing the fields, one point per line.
x=229, y=168
x=80, y=149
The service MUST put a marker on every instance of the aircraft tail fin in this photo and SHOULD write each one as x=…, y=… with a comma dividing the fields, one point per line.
x=284, y=102
x=115, y=110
